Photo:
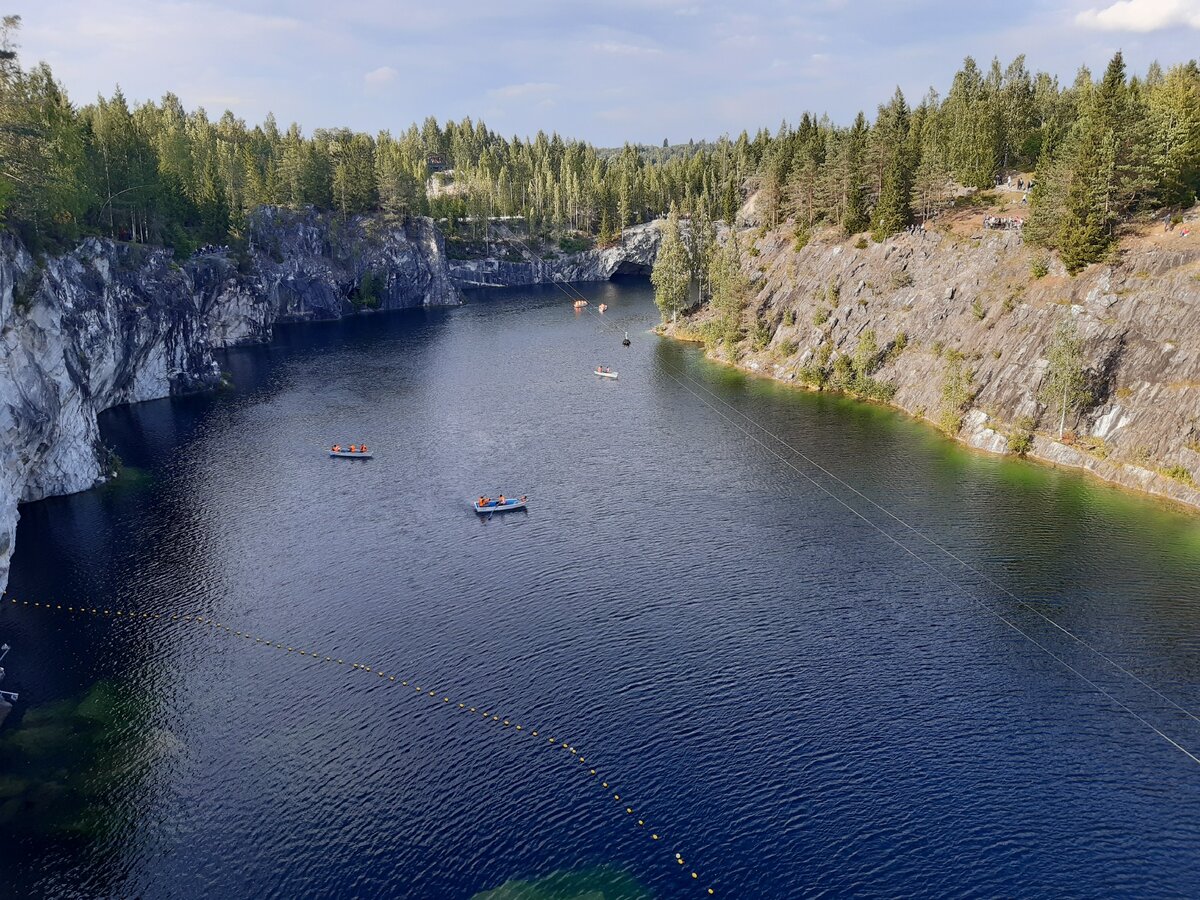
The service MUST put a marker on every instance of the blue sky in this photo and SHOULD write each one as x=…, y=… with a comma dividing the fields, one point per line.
x=607, y=71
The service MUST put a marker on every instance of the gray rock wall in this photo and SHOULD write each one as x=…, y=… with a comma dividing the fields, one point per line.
x=111, y=323
x=1139, y=321
x=633, y=255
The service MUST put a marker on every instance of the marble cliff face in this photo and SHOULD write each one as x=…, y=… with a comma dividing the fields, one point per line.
x=977, y=300
x=111, y=323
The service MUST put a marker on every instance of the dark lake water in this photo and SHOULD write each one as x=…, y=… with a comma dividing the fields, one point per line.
x=791, y=699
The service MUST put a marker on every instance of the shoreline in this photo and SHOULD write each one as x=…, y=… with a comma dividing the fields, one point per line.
x=1045, y=451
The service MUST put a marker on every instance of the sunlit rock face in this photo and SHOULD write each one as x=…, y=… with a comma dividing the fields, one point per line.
x=931, y=298
x=633, y=254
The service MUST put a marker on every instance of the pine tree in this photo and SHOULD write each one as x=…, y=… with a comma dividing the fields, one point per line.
x=1100, y=170
x=893, y=209
x=1174, y=125
x=728, y=287
x=671, y=276
x=704, y=243
x=606, y=236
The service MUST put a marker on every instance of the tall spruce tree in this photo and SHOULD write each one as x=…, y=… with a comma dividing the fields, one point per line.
x=672, y=273
x=893, y=209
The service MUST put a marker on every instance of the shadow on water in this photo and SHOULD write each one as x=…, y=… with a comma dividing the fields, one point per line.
x=790, y=698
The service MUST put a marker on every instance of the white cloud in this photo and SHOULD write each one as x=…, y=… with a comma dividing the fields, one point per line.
x=1142, y=15
x=381, y=76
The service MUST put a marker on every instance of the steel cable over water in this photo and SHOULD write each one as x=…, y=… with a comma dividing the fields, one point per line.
x=682, y=378
x=488, y=716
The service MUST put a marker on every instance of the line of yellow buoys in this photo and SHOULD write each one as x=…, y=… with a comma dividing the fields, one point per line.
x=486, y=715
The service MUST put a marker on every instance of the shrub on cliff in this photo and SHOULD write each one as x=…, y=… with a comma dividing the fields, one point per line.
x=574, y=243
x=1180, y=474
x=369, y=292
x=957, y=394
x=1020, y=439
x=1064, y=387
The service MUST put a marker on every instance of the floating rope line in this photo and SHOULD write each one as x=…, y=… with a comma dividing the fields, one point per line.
x=488, y=715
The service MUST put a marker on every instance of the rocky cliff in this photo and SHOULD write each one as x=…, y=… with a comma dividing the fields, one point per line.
x=974, y=304
x=632, y=255
x=112, y=323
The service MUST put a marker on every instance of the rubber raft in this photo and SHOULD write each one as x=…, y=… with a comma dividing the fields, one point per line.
x=346, y=454
x=494, y=506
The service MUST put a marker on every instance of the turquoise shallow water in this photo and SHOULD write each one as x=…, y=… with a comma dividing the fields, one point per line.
x=793, y=701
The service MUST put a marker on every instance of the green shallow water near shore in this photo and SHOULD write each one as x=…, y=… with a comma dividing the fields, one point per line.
x=599, y=883
x=955, y=460
x=766, y=386
x=63, y=759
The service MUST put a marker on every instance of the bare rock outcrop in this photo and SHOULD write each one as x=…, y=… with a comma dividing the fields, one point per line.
x=633, y=254
x=940, y=297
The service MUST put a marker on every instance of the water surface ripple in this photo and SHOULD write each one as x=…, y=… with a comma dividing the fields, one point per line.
x=800, y=706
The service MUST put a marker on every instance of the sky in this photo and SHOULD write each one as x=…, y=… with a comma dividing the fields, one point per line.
x=606, y=71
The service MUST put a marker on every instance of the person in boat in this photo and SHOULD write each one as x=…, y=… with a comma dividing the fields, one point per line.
x=522, y=498
x=362, y=448
x=337, y=448
x=500, y=502
x=481, y=501
x=353, y=448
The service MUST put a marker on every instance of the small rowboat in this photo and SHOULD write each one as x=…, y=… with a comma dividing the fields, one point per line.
x=604, y=374
x=494, y=506
x=357, y=454
x=580, y=304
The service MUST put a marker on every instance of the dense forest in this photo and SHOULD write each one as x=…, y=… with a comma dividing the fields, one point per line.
x=1102, y=150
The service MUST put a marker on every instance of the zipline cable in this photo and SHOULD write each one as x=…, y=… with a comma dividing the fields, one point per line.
x=683, y=379
x=945, y=550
